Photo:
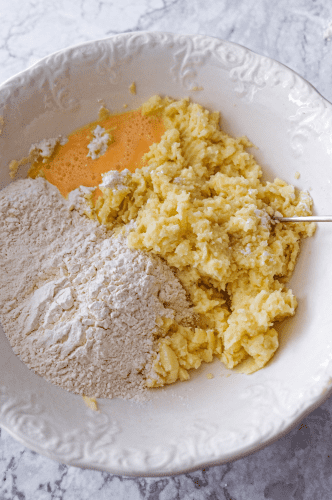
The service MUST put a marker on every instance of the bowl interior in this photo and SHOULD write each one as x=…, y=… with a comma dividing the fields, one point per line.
x=202, y=421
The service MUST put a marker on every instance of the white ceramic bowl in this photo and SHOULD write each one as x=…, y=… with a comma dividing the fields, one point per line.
x=200, y=422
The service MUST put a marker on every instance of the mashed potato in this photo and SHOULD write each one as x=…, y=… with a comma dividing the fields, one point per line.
x=200, y=205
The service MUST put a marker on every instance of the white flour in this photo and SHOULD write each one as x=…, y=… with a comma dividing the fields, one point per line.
x=114, y=179
x=41, y=150
x=78, y=306
x=45, y=147
x=99, y=144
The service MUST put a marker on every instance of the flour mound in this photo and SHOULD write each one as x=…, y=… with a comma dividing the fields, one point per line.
x=78, y=306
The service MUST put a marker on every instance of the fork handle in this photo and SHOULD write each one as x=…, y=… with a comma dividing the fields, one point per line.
x=310, y=218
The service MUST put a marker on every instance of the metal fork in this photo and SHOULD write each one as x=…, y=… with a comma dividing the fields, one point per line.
x=311, y=218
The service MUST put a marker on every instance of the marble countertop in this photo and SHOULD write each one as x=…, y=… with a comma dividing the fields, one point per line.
x=299, y=465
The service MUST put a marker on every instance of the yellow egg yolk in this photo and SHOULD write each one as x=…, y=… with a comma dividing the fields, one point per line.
x=69, y=166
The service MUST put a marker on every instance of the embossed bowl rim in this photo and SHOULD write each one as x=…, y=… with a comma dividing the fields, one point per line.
x=254, y=88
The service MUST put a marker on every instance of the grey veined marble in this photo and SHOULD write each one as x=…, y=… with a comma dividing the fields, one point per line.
x=290, y=31
x=296, y=467
x=299, y=465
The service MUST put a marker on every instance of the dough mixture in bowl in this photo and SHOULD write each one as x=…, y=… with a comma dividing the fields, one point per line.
x=197, y=221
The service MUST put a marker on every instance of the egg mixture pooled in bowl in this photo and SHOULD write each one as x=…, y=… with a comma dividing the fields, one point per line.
x=185, y=241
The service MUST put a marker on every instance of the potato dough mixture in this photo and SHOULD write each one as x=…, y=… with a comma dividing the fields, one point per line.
x=200, y=205
x=195, y=202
